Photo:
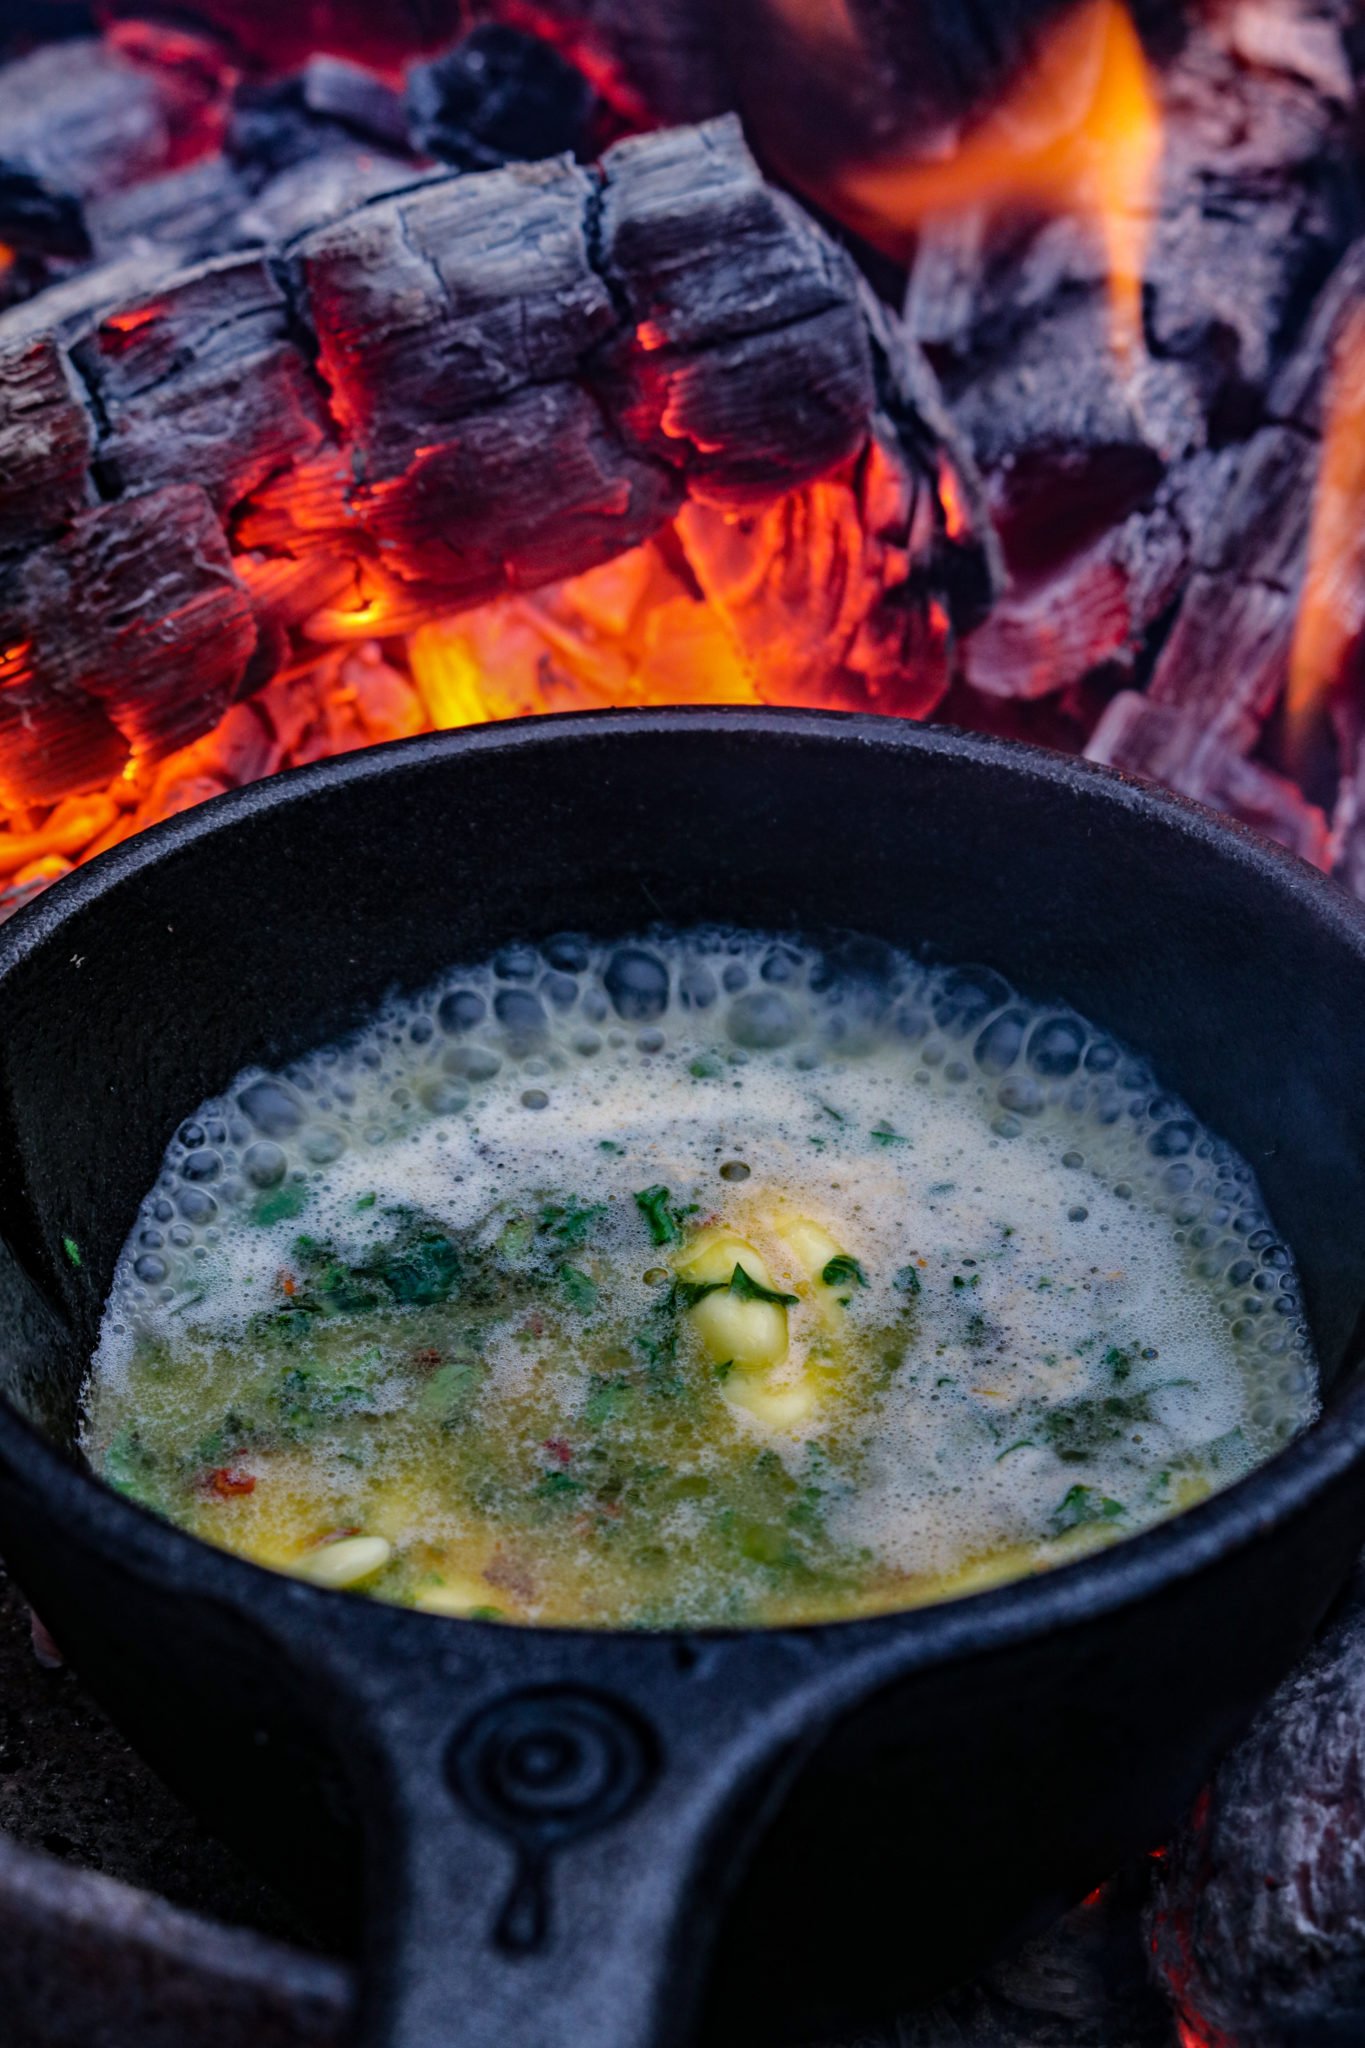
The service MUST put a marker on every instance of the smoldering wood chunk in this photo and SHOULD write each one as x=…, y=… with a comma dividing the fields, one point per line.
x=357, y=98
x=36, y=217
x=1087, y=614
x=202, y=379
x=329, y=104
x=52, y=747
x=1227, y=653
x=501, y=95
x=1296, y=396
x=65, y=310
x=1256, y=204
x=747, y=355
x=46, y=441
x=83, y=116
x=478, y=512
x=321, y=189
x=192, y=211
x=1165, y=744
x=1254, y=207
x=1258, y=1925
x=465, y=326
x=1083, y=1984
x=132, y=624
x=1227, y=656
x=448, y=298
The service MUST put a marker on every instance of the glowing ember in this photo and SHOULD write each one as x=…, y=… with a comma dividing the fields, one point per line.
x=1079, y=132
x=1331, y=618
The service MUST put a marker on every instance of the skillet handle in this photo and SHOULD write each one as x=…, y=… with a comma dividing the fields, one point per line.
x=546, y=1868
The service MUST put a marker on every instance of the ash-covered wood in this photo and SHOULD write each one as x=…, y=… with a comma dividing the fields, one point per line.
x=47, y=440
x=1166, y=744
x=86, y=117
x=464, y=386
x=1258, y=1925
x=130, y=631
x=500, y=95
x=1225, y=661
x=202, y=380
x=1097, y=464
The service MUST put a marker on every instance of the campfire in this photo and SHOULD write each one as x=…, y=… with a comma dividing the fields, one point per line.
x=396, y=374
x=351, y=391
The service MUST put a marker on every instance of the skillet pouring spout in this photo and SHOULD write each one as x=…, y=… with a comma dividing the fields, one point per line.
x=626, y=1840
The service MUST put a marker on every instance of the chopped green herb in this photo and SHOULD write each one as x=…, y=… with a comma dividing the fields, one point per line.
x=882, y=1134
x=579, y=1287
x=1082, y=1504
x=570, y=1224
x=907, y=1281
x=843, y=1271
x=1119, y=1361
x=609, y=1145
x=740, y=1283
x=72, y=1250
x=128, y=1467
x=708, y=1066
x=656, y=1206
x=367, y=1201
x=279, y=1205
x=1022, y=1443
x=559, y=1485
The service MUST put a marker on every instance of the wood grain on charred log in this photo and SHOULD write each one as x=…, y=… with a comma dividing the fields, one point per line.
x=46, y=441
x=131, y=631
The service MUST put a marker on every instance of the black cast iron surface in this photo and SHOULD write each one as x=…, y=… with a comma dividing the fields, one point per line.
x=547, y=1833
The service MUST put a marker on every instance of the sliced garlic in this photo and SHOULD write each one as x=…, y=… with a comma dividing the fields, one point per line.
x=458, y=1594
x=812, y=1247
x=747, y=1334
x=781, y=1407
x=347, y=1562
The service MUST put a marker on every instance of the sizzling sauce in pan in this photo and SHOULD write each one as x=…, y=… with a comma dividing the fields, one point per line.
x=709, y=1279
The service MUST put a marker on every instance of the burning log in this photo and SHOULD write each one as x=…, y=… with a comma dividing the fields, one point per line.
x=116, y=641
x=369, y=416
x=1226, y=661
x=1258, y=1925
x=1084, y=445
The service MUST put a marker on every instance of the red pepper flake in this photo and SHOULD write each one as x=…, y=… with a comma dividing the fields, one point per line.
x=428, y=1358
x=558, y=1449
x=230, y=1485
x=287, y=1283
x=337, y=1535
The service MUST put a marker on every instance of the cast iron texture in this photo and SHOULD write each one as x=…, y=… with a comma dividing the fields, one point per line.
x=551, y=1826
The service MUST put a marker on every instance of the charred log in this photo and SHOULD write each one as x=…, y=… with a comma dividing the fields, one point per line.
x=1098, y=466
x=1225, y=661
x=1258, y=1926
x=369, y=416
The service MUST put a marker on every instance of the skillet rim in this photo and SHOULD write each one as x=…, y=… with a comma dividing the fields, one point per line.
x=1138, y=1567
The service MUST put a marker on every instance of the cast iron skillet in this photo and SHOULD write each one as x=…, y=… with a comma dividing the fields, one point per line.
x=552, y=1825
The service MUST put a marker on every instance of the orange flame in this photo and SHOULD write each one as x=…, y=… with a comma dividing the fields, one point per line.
x=798, y=602
x=1079, y=132
x=1331, y=617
